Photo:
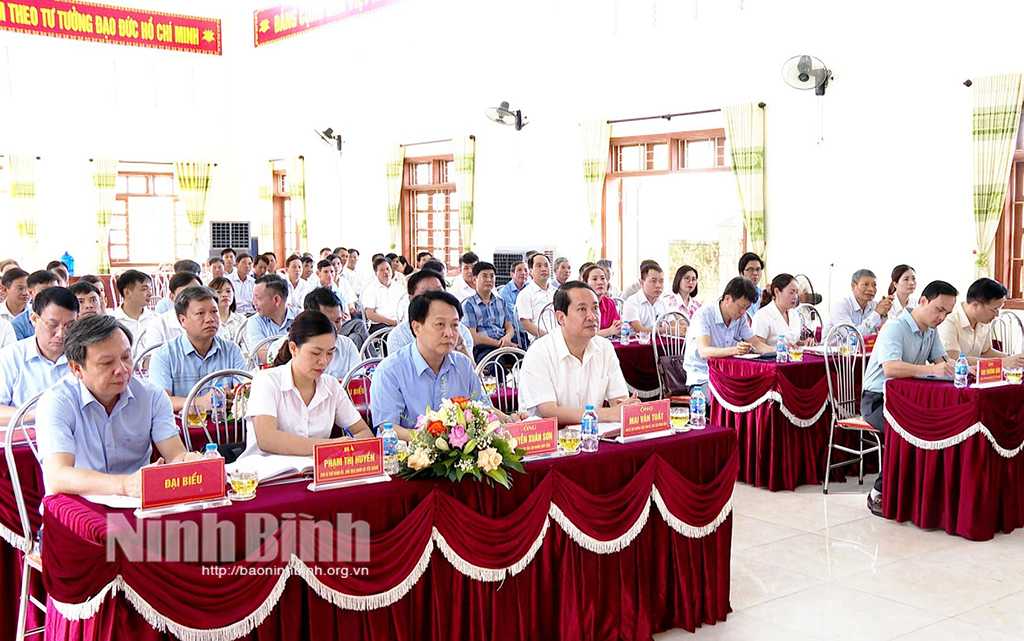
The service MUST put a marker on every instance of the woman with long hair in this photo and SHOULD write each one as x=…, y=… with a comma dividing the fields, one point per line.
x=597, y=278
x=777, y=314
x=901, y=290
x=293, y=406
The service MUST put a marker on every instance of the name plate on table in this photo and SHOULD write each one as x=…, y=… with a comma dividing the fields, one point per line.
x=646, y=420
x=358, y=391
x=180, y=487
x=990, y=370
x=539, y=438
x=348, y=463
x=869, y=342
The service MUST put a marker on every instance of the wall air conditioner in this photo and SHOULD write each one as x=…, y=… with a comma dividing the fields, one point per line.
x=506, y=257
x=225, y=234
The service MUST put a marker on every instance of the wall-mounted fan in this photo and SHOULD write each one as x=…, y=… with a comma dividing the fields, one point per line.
x=806, y=72
x=505, y=116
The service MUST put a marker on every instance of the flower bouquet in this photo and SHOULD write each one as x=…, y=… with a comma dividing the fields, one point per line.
x=461, y=438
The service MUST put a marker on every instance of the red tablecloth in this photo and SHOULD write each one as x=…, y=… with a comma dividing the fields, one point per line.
x=599, y=551
x=637, y=363
x=952, y=457
x=781, y=416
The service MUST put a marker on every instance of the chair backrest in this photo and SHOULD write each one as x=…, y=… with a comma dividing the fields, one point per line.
x=669, y=344
x=1008, y=330
x=546, y=320
x=241, y=338
x=810, y=317
x=619, y=304
x=844, y=370
x=16, y=429
x=213, y=385
x=141, y=365
x=499, y=376
x=357, y=385
x=376, y=345
x=259, y=354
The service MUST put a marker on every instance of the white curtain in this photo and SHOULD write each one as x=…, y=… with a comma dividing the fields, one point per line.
x=394, y=169
x=596, y=135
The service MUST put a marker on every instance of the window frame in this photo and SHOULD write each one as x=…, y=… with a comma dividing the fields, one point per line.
x=150, y=193
x=1010, y=233
x=440, y=167
x=676, y=157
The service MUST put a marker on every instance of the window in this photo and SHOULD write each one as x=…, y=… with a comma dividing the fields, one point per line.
x=286, y=231
x=430, y=215
x=663, y=153
x=1009, y=252
x=149, y=225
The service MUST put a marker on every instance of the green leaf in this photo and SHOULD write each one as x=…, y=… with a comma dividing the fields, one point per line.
x=500, y=476
x=469, y=446
x=514, y=464
x=459, y=473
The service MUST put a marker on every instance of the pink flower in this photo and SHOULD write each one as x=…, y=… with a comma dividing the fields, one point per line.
x=421, y=422
x=458, y=437
x=469, y=416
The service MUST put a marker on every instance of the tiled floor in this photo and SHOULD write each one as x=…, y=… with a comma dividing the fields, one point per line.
x=809, y=566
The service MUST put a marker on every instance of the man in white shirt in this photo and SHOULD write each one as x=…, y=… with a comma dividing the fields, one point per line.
x=569, y=368
x=309, y=271
x=859, y=308
x=636, y=285
x=18, y=295
x=244, y=283
x=643, y=308
x=967, y=329
x=228, y=256
x=135, y=288
x=297, y=288
x=166, y=326
x=216, y=268
x=535, y=297
x=464, y=284
x=562, y=271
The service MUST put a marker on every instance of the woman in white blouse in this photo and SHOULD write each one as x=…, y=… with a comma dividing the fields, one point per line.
x=380, y=298
x=292, y=406
x=230, y=320
x=777, y=314
x=684, y=292
x=901, y=290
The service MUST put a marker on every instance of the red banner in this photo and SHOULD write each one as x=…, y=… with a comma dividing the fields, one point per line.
x=114, y=25
x=286, y=20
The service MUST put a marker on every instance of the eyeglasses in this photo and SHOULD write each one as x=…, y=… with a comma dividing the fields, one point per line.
x=995, y=310
x=753, y=270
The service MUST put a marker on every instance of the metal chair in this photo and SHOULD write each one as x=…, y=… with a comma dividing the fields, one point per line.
x=1008, y=330
x=241, y=337
x=505, y=363
x=546, y=320
x=376, y=345
x=141, y=366
x=357, y=385
x=844, y=370
x=619, y=304
x=234, y=430
x=256, y=360
x=810, y=317
x=669, y=340
x=25, y=542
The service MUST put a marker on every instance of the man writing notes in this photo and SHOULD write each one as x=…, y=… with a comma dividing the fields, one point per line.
x=859, y=308
x=907, y=346
x=569, y=368
x=96, y=429
x=968, y=328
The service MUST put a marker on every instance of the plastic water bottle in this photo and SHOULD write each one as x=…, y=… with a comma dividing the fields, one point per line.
x=697, y=407
x=211, y=451
x=781, y=350
x=390, y=438
x=588, y=425
x=69, y=262
x=218, y=411
x=960, y=372
x=854, y=344
x=624, y=335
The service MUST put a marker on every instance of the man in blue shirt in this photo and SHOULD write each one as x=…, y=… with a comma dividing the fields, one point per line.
x=37, y=282
x=423, y=373
x=906, y=347
x=273, y=316
x=35, y=363
x=721, y=331
x=96, y=429
x=509, y=293
x=488, y=319
x=426, y=280
x=195, y=353
x=346, y=354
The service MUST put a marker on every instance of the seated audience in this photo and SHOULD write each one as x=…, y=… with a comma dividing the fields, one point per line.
x=380, y=298
x=752, y=268
x=423, y=373
x=778, y=312
x=859, y=308
x=464, y=286
x=135, y=288
x=182, y=266
x=308, y=273
x=16, y=292
x=596, y=277
x=97, y=282
x=89, y=301
x=230, y=320
x=425, y=280
x=273, y=317
x=293, y=407
x=613, y=289
x=421, y=258
x=488, y=319
x=346, y=353
x=216, y=267
x=60, y=270
x=683, y=298
x=562, y=271
x=261, y=266
x=197, y=351
x=968, y=328
x=166, y=326
x=245, y=284
x=77, y=416
x=569, y=368
x=509, y=293
x=642, y=309
x=352, y=322
x=636, y=285
x=537, y=295
x=720, y=331
x=229, y=257
x=297, y=287
x=906, y=347
x=901, y=290
x=33, y=364
x=37, y=282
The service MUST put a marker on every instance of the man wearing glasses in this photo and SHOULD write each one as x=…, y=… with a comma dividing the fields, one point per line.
x=752, y=268
x=968, y=329
x=33, y=364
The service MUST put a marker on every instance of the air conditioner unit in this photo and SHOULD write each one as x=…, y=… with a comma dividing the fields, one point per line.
x=225, y=234
x=505, y=258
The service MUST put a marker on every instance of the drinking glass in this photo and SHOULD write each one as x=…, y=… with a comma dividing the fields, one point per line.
x=243, y=485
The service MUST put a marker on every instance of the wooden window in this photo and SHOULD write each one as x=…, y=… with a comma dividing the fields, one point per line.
x=148, y=225
x=286, y=230
x=430, y=215
x=1009, y=252
x=702, y=150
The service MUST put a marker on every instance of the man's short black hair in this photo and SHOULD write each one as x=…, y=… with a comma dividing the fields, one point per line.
x=320, y=297
x=985, y=290
x=325, y=249
x=13, y=274
x=419, y=306
x=746, y=258
x=83, y=288
x=434, y=265
x=59, y=296
x=262, y=258
x=275, y=283
x=241, y=257
x=129, y=278
x=938, y=288
x=324, y=263
x=648, y=267
x=483, y=266
x=293, y=257
x=227, y=250
x=377, y=262
x=413, y=281
x=352, y=250
x=421, y=255
x=56, y=264
x=181, y=279
x=740, y=287
x=562, y=299
x=532, y=259
x=188, y=266
x=307, y=260
x=469, y=258
x=41, y=277
x=216, y=260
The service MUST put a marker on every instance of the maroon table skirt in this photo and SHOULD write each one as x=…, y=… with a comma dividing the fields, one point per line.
x=10, y=557
x=659, y=580
x=637, y=363
x=774, y=452
x=942, y=470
